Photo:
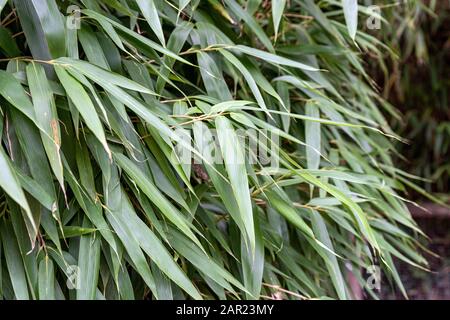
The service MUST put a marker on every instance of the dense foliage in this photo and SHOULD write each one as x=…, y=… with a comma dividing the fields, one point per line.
x=93, y=185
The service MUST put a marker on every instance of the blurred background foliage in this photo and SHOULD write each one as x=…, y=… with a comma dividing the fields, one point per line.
x=414, y=77
x=416, y=80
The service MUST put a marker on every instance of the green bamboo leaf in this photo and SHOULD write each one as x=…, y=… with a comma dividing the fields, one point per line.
x=202, y=261
x=133, y=250
x=13, y=92
x=351, y=16
x=204, y=141
x=251, y=22
x=272, y=58
x=248, y=77
x=182, y=4
x=88, y=264
x=28, y=253
x=145, y=41
x=7, y=44
x=46, y=117
x=35, y=189
x=91, y=209
x=289, y=213
x=44, y=28
x=356, y=210
x=11, y=185
x=312, y=136
x=175, y=44
x=98, y=74
x=34, y=158
x=235, y=164
x=91, y=47
x=277, y=14
x=151, y=245
x=157, y=197
x=46, y=279
x=2, y=4
x=253, y=264
x=14, y=261
x=150, y=13
x=217, y=5
x=75, y=231
x=83, y=103
x=320, y=229
x=315, y=11
x=213, y=77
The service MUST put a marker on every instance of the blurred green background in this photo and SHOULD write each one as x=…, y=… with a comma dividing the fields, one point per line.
x=415, y=79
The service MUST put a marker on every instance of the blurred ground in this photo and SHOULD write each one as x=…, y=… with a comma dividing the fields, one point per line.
x=434, y=285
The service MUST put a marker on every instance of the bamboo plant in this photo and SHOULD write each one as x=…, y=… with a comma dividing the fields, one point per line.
x=99, y=201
